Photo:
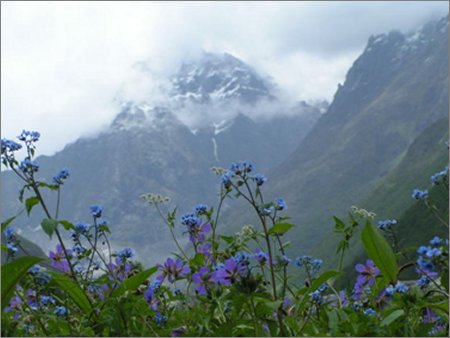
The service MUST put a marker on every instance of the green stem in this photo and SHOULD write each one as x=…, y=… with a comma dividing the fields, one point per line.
x=171, y=232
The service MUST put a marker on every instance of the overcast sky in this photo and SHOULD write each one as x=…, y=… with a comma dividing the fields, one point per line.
x=63, y=63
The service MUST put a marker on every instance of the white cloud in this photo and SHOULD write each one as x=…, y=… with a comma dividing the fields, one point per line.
x=64, y=62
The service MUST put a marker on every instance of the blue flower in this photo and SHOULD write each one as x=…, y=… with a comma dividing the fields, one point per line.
x=201, y=209
x=301, y=260
x=28, y=166
x=96, y=210
x=285, y=260
x=442, y=174
x=9, y=145
x=226, y=179
x=383, y=225
x=389, y=291
x=261, y=256
x=423, y=281
x=81, y=227
x=401, y=287
x=11, y=247
x=242, y=257
x=322, y=287
x=160, y=319
x=369, y=312
x=190, y=220
x=280, y=204
x=61, y=311
x=46, y=300
x=29, y=136
x=9, y=232
x=260, y=179
x=316, y=264
x=419, y=194
x=316, y=297
x=62, y=175
x=125, y=253
x=247, y=166
x=266, y=211
x=436, y=241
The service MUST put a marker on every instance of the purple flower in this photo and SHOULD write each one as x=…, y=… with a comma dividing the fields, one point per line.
x=118, y=271
x=230, y=272
x=32, y=299
x=341, y=299
x=15, y=304
x=174, y=269
x=150, y=294
x=205, y=249
x=261, y=256
x=177, y=332
x=198, y=233
x=202, y=278
x=367, y=272
x=59, y=259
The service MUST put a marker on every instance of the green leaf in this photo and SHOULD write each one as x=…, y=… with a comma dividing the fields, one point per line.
x=133, y=283
x=197, y=260
x=73, y=290
x=392, y=317
x=323, y=278
x=7, y=222
x=280, y=228
x=443, y=306
x=49, y=226
x=339, y=226
x=30, y=203
x=227, y=239
x=380, y=252
x=67, y=225
x=46, y=185
x=11, y=274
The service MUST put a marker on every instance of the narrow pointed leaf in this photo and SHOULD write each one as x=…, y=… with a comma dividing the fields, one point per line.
x=12, y=273
x=380, y=252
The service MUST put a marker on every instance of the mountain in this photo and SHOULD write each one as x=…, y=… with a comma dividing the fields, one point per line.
x=155, y=149
x=395, y=90
x=219, y=77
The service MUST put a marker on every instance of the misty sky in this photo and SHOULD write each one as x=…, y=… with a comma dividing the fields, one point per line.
x=64, y=62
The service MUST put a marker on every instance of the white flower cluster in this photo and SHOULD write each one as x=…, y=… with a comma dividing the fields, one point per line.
x=219, y=170
x=363, y=213
x=155, y=199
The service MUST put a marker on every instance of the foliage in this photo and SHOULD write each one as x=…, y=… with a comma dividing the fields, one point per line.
x=218, y=285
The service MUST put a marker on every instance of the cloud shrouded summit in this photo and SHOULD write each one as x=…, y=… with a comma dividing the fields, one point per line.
x=64, y=63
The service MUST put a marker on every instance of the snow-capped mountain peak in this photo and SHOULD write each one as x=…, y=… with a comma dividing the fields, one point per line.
x=217, y=77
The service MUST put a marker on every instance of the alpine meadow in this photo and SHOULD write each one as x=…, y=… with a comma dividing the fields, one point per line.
x=252, y=169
